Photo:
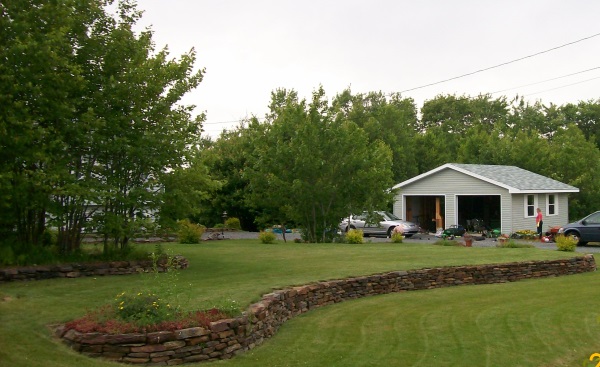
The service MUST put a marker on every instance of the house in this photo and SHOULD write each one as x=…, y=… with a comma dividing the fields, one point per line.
x=503, y=197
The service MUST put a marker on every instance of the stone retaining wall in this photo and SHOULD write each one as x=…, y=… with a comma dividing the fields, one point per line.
x=84, y=269
x=225, y=338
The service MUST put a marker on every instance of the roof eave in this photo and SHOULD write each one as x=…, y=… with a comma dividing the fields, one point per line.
x=517, y=191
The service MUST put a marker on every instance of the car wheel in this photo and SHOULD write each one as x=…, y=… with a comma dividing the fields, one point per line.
x=575, y=236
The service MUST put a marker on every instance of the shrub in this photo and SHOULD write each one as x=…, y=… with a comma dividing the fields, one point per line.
x=267, y=237
x=354, y=236
x=189, y=232
x=233, y=223
x=397, y=237
x=566, y=243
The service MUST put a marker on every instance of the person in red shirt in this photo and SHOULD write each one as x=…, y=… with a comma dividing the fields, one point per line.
x=539, y=222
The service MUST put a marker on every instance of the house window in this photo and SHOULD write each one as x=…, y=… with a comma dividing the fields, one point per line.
x=530, y=204
x=551, y=204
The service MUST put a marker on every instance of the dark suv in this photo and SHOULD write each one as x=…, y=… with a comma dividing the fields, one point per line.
x=584, y=230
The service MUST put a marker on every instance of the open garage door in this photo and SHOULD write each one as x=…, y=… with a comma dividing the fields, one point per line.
x=476, y=212
x=426, y=211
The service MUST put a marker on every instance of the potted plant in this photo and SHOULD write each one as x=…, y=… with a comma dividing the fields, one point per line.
x=468, y=239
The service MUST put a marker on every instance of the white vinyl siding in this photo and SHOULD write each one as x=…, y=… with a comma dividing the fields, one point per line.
x=520, y=222
x=451, y=184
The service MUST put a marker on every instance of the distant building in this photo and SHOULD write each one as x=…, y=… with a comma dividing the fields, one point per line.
x=503, y=197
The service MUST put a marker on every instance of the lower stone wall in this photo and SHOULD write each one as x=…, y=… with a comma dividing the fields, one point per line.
x=84, y=269
x=225, y=338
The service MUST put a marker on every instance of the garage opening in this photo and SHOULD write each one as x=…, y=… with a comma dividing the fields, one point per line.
x=426, y=211
x=478, y=212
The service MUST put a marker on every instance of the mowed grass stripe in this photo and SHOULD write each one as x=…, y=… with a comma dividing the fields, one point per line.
x=546, y=322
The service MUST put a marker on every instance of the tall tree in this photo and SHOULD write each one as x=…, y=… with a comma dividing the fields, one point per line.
x=390, y=119
x=92, y=115
x=586, y=115
x=40, y=87
x=185, y=191
x=575, y=160
x=228, y=159
x=314, y=169
x=143, y=132
x=446, y=121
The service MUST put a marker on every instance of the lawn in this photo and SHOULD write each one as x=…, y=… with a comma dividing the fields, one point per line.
x=546, y=322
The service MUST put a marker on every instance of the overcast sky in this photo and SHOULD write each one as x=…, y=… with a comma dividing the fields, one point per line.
x=252, y=47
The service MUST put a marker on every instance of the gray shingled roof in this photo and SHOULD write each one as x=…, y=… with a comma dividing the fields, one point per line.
x=515, y=177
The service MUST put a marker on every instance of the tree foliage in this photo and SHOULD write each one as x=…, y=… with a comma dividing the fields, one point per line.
x=94, y=137
x=315, y=169
x=90, y=119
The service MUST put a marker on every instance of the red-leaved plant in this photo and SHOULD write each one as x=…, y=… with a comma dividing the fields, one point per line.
x=104, y=321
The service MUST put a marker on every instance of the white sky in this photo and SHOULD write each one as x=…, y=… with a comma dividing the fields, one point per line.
x=252, y=47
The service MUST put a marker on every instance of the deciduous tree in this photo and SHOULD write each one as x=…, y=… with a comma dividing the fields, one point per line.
x=315, y=169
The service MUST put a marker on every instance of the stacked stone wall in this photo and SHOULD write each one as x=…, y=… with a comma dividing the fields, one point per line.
x=225, y=338
x=84, y=269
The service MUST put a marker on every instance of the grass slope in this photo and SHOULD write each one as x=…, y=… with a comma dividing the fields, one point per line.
x=548, y=322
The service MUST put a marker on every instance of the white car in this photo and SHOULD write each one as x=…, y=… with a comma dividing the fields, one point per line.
x=378, y=223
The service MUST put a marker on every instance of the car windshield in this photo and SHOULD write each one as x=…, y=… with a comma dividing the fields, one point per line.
x=389, y=216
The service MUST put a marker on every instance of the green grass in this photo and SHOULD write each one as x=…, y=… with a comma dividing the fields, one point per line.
x=547, y=322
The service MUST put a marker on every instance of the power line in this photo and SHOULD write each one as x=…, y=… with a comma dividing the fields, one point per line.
x=480, y=71
x=547, y=80
x=564, y=86
x=502, y=64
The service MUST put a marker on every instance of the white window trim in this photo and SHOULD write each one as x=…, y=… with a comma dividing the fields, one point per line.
x=535, y=205
x=548, y=205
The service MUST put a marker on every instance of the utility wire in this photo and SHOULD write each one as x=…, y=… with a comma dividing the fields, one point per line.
x=502, y=64
x=480, y=71
x=564, y=86
x=547, y=80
